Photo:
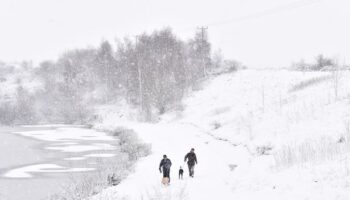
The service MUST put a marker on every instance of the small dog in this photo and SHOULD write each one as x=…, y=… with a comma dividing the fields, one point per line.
x=181, y=173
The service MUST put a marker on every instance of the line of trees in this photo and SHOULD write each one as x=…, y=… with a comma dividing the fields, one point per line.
x=321, y=63
x=151, y=72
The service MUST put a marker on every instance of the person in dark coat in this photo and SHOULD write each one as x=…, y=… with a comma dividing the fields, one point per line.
x=191, y=161
x=164, y=166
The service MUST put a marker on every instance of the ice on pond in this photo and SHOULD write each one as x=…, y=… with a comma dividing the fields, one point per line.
x=26, y=172
x=101, y=155
x=93, y=155
x=67, y=135
x=51, y=126
x=66, y=143
x=82, y=148
x=76, y=158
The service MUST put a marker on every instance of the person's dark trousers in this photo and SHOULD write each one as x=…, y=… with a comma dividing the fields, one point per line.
x=191, y=169
x=166, y=173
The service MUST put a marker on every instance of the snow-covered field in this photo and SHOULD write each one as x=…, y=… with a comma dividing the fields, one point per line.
x=257, y=134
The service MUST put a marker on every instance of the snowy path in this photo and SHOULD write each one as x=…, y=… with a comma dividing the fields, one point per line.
x=175, y=140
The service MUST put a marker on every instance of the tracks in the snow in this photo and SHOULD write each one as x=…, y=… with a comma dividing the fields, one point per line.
x=217, y=138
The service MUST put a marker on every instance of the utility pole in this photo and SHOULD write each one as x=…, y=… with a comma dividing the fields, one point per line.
x=139, y=71
x=107, y=79
x=203, y=34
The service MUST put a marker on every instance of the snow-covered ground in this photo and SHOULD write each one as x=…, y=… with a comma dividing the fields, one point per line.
x=257, y=134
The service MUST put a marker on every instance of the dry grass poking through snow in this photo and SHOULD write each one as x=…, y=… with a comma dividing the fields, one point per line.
x=313, y=151
x=310, y=82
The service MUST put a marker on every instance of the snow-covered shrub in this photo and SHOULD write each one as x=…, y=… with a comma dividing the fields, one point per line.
x=232, y=166
x=300, y=66
x=216, y=125
x=129, y=143
x=264, y=150
x=321, y=63
x=226, y=66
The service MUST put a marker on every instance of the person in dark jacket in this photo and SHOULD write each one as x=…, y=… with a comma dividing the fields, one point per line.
x=191, y=161
x=165, y=165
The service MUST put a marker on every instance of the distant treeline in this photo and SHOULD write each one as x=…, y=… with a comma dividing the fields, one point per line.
x=151, y=71
x=321, y=63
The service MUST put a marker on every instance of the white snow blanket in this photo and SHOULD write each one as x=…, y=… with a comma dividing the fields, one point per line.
x=257, y=134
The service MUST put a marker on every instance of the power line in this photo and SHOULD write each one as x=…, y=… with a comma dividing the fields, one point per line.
x=270, y=11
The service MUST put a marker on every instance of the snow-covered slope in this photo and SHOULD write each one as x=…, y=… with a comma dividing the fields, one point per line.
x=257, y=135
x=272, y=107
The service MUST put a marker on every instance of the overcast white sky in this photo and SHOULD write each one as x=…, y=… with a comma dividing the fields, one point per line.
x=259, y=33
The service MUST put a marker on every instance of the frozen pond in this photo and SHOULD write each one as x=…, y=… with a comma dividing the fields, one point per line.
x=36, y=161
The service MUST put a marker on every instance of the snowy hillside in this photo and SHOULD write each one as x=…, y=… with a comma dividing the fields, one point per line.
x=272, y=108
x=257, y=134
